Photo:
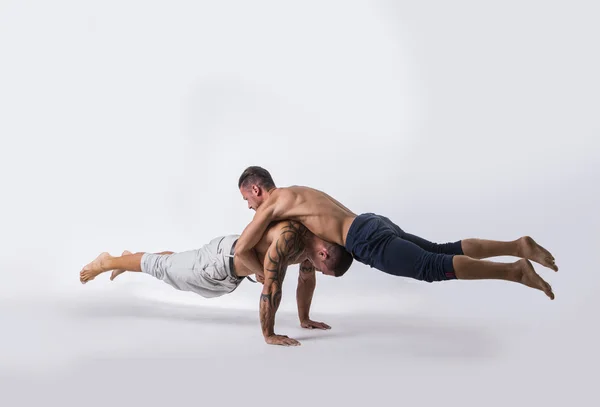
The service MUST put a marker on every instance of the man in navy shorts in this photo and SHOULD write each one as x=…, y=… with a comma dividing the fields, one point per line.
x=376, y=241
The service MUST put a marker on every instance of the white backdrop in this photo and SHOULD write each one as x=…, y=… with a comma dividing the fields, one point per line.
x=126, y=124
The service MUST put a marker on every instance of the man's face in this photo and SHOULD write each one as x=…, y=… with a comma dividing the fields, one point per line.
x=318, y=260
x=322, y=267
x=253, y=195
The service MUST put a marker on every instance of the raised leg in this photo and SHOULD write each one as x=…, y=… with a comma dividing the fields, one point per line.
x=403, y=258
x=524, y=247
x=521, y=271
x=117, y=272
x=105, y=262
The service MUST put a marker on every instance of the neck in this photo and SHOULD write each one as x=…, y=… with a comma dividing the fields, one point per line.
x=310, y=245
x=269, y=192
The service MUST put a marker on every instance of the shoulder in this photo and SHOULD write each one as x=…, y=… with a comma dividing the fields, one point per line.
x=282, y=193
x=280, y=201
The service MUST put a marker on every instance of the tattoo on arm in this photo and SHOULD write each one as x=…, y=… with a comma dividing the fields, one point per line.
x=289, y=244
x=307, y=268
x=306, y=287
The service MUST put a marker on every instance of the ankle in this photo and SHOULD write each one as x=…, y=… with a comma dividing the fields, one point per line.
x=520, y=247
x=515, y=270
x=105, y=264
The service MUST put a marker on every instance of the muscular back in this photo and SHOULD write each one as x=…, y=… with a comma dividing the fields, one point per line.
x=320, y=213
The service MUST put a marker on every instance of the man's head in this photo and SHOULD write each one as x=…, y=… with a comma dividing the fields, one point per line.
x=329, y=258
x=255, y=184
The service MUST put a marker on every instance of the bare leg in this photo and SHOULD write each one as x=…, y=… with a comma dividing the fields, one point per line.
x=105, y=262
x=521, y=271
x=117, y=272
x=524, y=247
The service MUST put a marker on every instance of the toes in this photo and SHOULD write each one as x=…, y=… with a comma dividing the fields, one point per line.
x=548, y=290
x=549, y=262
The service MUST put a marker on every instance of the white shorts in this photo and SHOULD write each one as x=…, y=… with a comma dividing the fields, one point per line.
x=207, y=271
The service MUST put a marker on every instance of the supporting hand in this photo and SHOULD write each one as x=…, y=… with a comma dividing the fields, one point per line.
x=281, y=340
x=309, y=324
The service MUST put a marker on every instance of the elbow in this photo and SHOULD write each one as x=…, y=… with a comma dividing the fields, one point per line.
x=241, y=250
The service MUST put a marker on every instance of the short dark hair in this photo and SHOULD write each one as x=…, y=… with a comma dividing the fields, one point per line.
x=256, y=175
x=339, y=260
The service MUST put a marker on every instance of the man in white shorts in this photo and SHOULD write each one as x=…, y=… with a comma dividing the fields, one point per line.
x=212, y=270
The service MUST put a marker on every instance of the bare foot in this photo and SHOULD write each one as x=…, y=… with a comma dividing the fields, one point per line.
x=115, y=273
x=89, y=272
x=533, y=251
x=525, y=274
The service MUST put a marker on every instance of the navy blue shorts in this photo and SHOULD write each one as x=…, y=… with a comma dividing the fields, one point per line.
x=376, y=241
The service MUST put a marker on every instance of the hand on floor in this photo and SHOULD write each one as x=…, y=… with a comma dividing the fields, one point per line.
x=281, y=340
x=309, y=324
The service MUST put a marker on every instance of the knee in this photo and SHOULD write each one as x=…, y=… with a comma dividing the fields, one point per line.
x=449, y=248
x=435, y=267
x=154, y=264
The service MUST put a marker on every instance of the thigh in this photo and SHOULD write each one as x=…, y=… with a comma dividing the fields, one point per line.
x=181, y=267
x=446, y=248
x=419, y=241
x=399, y=257
x=404, y=258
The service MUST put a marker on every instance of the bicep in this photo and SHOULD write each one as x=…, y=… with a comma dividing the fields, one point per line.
x=277, y=257
x=276, y=262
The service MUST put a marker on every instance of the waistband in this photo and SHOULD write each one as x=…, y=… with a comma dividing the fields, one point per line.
x=355, y=228
x=232, y=240
x=226, y=248
x=231, y=255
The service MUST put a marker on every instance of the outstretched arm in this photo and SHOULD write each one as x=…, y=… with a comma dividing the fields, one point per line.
x=251, y=236
x=285, y=247
x=307, y=282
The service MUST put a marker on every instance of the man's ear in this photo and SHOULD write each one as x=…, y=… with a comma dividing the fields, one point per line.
x=256, y=190
x=323, y=253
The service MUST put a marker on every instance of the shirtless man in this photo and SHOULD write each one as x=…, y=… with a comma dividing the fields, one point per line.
x=212, y=270
x=375, y=241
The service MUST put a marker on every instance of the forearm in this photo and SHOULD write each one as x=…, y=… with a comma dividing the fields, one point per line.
x=304, y=295
x=250, y=238
x=249, y=260
x=267, y=315
x=269, y=303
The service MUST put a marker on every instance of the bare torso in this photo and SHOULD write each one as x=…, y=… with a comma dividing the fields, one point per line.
x=272, y=233
x=325, y=217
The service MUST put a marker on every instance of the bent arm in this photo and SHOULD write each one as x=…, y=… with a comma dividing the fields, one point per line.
x=250, y=238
